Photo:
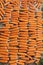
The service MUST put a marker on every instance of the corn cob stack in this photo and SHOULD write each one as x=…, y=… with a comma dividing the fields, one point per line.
x=4, y=34
x=39, y=31
x=13, y=36
x=39, y=36
x=31, y=32
x=23, y=33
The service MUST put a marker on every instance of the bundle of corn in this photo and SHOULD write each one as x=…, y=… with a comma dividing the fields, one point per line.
x=20, y=31
x=4, y=34
x=23, y=33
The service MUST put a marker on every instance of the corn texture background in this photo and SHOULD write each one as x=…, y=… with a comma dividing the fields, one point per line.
x=21, y=31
